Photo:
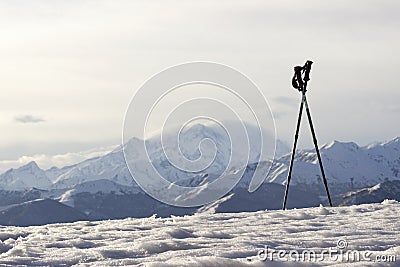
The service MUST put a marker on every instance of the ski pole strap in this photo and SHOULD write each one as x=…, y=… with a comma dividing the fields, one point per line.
x=298, y=81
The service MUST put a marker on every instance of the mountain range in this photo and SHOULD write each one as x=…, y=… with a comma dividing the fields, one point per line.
x=374, y=194
x=95, y=187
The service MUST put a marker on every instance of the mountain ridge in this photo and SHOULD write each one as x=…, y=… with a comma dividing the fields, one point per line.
x=347, y=165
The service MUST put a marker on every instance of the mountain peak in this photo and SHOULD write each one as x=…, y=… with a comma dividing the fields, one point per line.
x=32, y=165
x=397, y=139
x=338, y=144
x=394, y=141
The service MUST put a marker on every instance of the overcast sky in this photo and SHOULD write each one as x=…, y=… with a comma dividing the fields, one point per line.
x=68, y=69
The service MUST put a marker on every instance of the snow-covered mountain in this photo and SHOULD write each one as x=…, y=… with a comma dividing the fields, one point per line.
x=95, y=187
x=374, y=194
x=346, y=164
x=112, y=166
x=27, y=176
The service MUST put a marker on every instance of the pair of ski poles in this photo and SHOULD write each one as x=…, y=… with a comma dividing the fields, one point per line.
x=299, y=82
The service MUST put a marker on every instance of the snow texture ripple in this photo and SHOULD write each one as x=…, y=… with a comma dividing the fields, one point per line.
x=229, y=239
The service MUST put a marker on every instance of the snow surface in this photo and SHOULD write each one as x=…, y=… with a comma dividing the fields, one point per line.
x=230, y=239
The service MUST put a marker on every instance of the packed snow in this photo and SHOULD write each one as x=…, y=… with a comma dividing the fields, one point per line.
x=203, y=239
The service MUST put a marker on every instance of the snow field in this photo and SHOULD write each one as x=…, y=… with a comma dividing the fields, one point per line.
x=229, y=239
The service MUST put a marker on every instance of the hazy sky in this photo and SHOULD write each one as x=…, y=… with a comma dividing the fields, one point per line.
x=68, y=69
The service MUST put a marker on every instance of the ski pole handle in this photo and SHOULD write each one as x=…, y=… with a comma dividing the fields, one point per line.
x=307, y=69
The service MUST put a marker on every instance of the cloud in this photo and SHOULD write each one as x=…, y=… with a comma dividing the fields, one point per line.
x=28, y=119
x=284, y=100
